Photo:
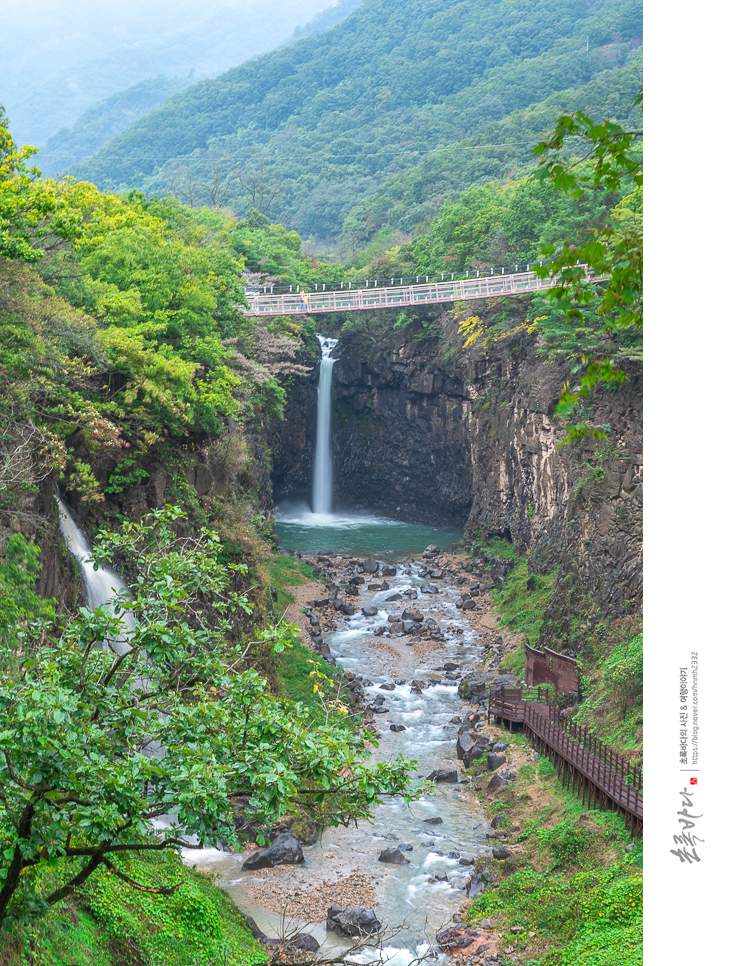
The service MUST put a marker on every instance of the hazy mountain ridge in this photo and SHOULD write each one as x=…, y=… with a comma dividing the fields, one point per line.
x=323, y=119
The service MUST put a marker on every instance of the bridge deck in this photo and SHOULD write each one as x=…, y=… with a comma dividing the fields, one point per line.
x=372, y=298
x=583, y=761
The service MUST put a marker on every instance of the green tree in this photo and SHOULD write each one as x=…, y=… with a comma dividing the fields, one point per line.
x=106, y=729
x=599, y=271
x=29, y=207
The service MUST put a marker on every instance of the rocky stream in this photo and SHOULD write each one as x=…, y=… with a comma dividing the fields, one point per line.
x=417, y=645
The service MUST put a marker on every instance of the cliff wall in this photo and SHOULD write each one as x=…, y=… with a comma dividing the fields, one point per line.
x=427, y=432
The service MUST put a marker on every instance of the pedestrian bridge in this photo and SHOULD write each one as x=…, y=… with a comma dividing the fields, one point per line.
x=436, y=288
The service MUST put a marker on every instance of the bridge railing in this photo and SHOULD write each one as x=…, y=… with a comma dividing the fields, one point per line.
x=371, y=298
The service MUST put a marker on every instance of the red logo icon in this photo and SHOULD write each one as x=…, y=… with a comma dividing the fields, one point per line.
x=693, y=781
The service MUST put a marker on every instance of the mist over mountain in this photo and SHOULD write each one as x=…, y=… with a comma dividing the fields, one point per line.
x=60, y=58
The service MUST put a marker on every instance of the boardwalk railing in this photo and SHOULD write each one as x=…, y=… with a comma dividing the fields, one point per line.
x=604, y=778
x=372, y=298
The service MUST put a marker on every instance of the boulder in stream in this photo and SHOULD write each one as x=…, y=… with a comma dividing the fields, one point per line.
x=443, y=775
x=370, y=566
x=370, y=611
x=303, y=943
x=394, y=856
x=396, y=727
x=284, y=850
x=430, y=589
x=433, y=821
x=352, y=921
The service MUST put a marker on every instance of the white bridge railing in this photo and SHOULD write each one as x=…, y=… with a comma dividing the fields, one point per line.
x=374, y=298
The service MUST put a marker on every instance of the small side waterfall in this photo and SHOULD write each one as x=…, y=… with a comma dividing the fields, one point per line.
x=101, y=587
x=322, y=489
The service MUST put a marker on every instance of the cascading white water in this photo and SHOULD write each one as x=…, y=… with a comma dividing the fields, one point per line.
x=322, y=489
x=101, y=587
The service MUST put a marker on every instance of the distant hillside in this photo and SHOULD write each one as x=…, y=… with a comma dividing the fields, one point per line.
x=501, y=149
x=328, y=18
x=313, y=129
x=104, y=120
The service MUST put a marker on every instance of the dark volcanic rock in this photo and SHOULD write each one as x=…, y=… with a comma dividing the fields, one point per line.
x=394, y=856
x=258, y=935
x=476, y=751
x=433, y=821
x=443, y=775
x=371, y=566
x=475, y=886
x=284, y=850
x=303, y=943
x=370, y=611
x=497, y=781
x=500, y=852
x=452, y=938
x=395, y=727
x=494, y=761
x=352, y=921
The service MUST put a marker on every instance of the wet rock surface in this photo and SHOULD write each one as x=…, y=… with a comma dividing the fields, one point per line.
x=352, y=921
x=284, y=850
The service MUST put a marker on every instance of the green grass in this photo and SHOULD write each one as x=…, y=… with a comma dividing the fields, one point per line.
x=613, y=706
x=279, y=573
x=519, y=609
x=573, y=883
x=294, y=681
x=110, y=924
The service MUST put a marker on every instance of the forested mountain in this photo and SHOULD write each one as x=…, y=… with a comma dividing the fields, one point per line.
x=409, y=200
x=311, y=130
x=60, y=59
x=104, y=120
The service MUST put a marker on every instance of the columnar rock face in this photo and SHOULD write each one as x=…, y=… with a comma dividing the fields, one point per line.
x=400, y=435
x=428, y=432
x=293, y=440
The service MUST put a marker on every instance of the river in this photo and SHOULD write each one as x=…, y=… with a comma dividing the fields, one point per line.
x=409, y=899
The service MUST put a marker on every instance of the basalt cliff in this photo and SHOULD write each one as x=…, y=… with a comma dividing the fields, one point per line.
x=428, y=432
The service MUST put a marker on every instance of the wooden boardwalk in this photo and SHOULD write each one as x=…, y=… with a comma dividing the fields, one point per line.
x=605, y=779
x=436, y=288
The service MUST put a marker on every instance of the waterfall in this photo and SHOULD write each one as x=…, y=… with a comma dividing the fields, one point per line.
x=101, y=587
x=322, y=489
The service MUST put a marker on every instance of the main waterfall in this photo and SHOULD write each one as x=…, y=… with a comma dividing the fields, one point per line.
x=322, y=488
